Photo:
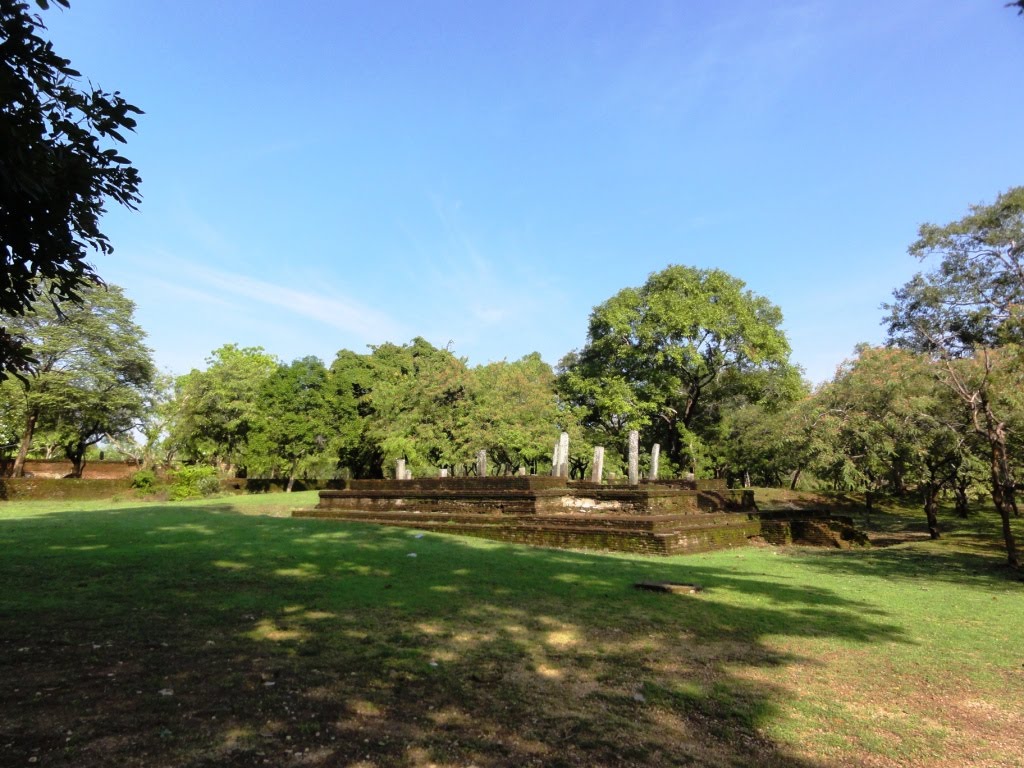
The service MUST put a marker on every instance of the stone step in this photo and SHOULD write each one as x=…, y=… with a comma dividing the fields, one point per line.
x=668, y=534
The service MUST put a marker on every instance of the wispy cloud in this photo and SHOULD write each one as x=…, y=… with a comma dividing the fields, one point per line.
x=365, y=323
x=168, y=288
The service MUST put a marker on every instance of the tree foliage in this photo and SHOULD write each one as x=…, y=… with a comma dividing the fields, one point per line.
x=218, y=408
x=59, y=165
x=516, y=416
x=966, y=313
x=667, y=356
x=975, y=295
x=93, y=376
x=294, y=418
x=894, y=425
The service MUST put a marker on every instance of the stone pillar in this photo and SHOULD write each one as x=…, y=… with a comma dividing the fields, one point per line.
x=634, y=457
x=597, y=471
x=521, y=471
x=443, y=472
x=481, y=463
x=555, y=461
x=400, y=469
x=563, y=455
x=655, y=455
x=408, y=475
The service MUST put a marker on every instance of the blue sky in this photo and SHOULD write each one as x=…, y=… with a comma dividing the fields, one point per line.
x=322, y=175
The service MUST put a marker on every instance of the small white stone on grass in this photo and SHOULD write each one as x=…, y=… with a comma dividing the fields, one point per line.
x=411, y=554
x=166, y=692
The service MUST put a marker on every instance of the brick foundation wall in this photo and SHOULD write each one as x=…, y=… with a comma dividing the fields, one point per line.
x=56, y=468
x=656, y=518
x=64, y=489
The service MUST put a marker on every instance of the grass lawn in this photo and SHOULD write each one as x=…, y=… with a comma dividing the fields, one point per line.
x=223, y=633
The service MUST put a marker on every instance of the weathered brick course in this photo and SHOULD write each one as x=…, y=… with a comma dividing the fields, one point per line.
x=655, y=518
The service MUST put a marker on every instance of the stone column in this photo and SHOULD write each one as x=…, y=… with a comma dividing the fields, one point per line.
x=563, y=455
x=481, y=463
x=555, y=460
x=408, y=475
x=443, y=472
x=521, y=471
x=655, y=455
x=597, y=471
x=634, y=457
x=400, y=469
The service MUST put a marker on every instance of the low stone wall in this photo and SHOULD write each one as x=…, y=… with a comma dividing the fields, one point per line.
x=58, y=468
x=64, y=489
x=263, y=485
x=651, y=534
x=523, y=495
x=656, y=518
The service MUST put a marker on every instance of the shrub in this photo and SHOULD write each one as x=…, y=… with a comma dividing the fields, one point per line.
x=144, y=481
x=192, y=482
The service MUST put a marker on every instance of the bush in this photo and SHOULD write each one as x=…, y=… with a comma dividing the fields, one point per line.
x=193, y=482
x=144, y=481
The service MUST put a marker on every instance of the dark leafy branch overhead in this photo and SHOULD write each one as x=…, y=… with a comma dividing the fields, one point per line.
x=59, y=164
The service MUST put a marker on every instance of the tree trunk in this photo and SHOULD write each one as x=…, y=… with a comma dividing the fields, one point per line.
x=75, y=453
x=796, y=477
x=931, y=495
x=962, y=503
x=1002, y=482
x=1003, y=496
x=26, y=442
x=291, y=476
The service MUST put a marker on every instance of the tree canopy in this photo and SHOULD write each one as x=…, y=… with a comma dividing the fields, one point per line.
x=975, y=294
x=93, y=375
x=218, y=408
x=666, y=356
x=966, y=314
x=60, y=165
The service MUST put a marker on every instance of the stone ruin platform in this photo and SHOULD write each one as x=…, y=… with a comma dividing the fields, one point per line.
x=657, y=518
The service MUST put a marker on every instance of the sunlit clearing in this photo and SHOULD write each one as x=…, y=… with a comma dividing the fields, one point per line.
x=450, y=716
x=318, y=615
x=231, y=565
x=187, y=528
x=301, y=571
x=267, y=629
x=562, y=638
x=235, y=735
x=549, y=672
x=365, y=708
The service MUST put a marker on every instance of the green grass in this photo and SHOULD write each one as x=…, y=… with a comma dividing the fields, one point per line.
x=309, y=642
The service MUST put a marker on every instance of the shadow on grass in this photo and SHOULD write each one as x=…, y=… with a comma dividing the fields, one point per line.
x=177, y=636
x=969, y=560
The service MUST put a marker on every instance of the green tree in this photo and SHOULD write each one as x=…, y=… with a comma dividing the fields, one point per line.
x=93, y=375
x=216, y=409
x=896, y=425
x=149, y=444
x=294, y=416
x=350, y=381
x=417, y=407
x=515, y=414
x=667, y=356
x=967, y=314
x=57, y=139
